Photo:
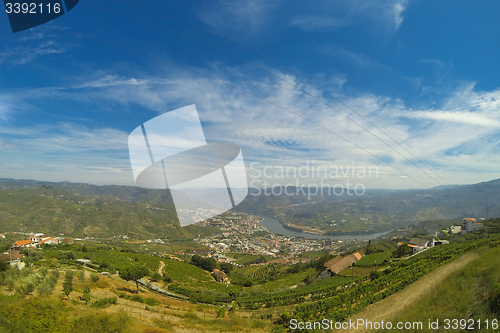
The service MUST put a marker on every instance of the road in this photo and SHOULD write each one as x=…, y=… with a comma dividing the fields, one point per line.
x=388, y=308
x=160, y=268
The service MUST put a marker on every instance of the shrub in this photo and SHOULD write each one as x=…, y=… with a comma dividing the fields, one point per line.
x=104, y=302
x=45, y=289
x=155, y=277
x=43, y=271
x=22, y=288
x=137, y=298
x=67, y=287
x=201, y=297
x=167, y=279
x=81, y=276
x=151, y=301
x=102, y=322
x=222, y=312
x=9, y=283
x=55, y=274
x=94, y=277
x=69, y=275
x=86, y=294
x=65, y=255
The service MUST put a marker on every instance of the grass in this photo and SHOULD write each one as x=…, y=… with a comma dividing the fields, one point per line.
x=358, y=271
x=286, y=281
x=466, y=294
x=313, y=254
x=244, y=259
x=374, y=259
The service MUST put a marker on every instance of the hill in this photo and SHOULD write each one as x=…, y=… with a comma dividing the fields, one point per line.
x=379, y=210
x=374, y=211
x=57, y=211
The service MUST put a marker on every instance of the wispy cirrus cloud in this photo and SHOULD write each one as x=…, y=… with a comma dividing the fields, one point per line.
x=267, y=130
x=20, y=55
x=319, y=22
x=331, y=15
x=456, y=117
x=246, y=17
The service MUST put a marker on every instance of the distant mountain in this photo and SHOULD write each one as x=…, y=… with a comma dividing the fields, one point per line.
x=126, y=193
x=383, y=208
x=376, y=210
x=57, y=211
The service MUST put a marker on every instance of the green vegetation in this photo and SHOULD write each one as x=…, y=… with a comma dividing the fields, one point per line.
x=94, y=277
x=54, y=210
x=247, y=259
x=139, y=299
x=369, y=290
x=133, y=273
x=86, y=294
x=222, y=312
x=471, y=294
x=104, y=302
x=207, y=264
x=378, y=258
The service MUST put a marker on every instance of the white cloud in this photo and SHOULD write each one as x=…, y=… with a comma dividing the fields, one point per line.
x=318, y=22
x=457, y=117
x=323, y=15
x=240, y=17
x=20, y=55
x=463, y=129
x=65, y=152
x=397, y=12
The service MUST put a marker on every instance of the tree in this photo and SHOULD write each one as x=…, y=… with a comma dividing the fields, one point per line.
x=69, y=275
x=402, y=251
x=133, y=273
x=207, y=264
x=226, y=267
x=94, y=277
x=4, y=266
x=86, y=294
x=155, y=277
x=68, y=287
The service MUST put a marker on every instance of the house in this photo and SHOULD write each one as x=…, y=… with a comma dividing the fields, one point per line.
x=468, y=225
x=417, y=241
x=22, y=243
x=49, y=241
x=454, y=230
x=67, y=240
x=83, y=261
x=419, y=244
x=12, y=258
x=338, y=264
x=220, y=276
x=439, y=242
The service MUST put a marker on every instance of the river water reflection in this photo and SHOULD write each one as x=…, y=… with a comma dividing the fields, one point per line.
x=276, y=227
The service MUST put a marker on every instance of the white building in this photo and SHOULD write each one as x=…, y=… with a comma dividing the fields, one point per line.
x=468, y=225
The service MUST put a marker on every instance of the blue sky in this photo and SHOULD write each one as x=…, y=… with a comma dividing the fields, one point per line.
x=408, y=87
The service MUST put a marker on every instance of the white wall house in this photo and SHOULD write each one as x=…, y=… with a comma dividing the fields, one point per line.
x=468, y=225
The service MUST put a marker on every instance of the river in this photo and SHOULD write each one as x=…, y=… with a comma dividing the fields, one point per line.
x=275, y=226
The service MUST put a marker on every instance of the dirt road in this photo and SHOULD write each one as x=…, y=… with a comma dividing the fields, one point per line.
x=160, y=268
x=389, y=307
